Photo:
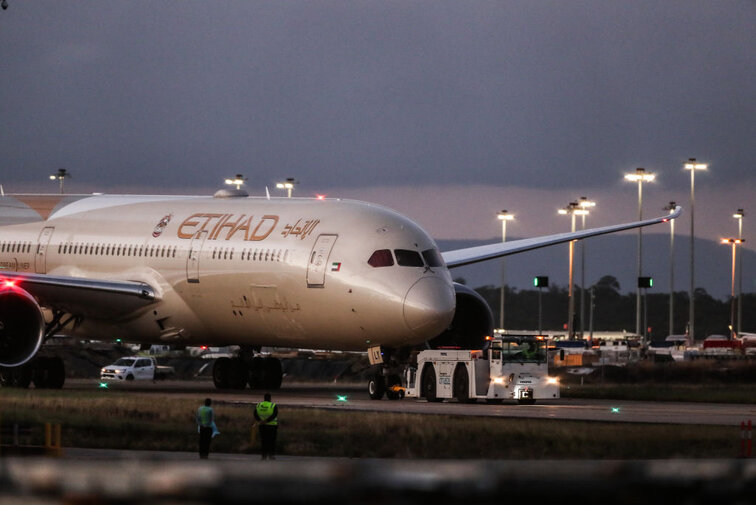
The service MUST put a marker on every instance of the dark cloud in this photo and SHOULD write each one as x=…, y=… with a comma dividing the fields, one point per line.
x=354, y=94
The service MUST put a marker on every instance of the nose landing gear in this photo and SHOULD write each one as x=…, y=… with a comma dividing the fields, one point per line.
x=258, y=372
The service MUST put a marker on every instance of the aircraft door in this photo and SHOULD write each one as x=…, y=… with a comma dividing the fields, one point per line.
x=40, y=259
x=192, y=262
x=316, y=268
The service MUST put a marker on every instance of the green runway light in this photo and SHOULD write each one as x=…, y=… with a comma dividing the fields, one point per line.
x=103, y=385
x=615, y=410
x=341, y=398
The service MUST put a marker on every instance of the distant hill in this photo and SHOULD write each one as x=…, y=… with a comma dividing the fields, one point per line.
x=614, y=255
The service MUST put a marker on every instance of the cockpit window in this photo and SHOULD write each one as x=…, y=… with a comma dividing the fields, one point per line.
x=407, y=258
x=381, y=258
x=433, y=258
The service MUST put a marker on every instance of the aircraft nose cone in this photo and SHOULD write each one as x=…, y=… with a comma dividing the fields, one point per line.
x=429, y=306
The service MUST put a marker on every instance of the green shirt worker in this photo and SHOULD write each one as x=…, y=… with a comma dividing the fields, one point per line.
x=205, y=426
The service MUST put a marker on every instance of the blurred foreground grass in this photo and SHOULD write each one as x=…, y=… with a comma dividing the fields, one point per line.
x=120, y=421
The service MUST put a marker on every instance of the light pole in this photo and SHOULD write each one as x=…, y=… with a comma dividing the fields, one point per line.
x=671, y=207
x=692, y=165
x=572, y=209
x=584, y=204
x=640, y=176
x=503, y=216
x=288, y=185
x=735, y=243
x=60, y=176
x=739, y=215
x=236, y=181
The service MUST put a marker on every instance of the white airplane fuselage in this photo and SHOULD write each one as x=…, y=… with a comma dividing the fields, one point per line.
x=246, y=271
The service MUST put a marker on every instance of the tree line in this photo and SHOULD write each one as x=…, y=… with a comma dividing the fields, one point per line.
x=614, y=311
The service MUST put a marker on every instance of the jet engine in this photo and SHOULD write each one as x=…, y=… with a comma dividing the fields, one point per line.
x=472, y=323
x=22, y=326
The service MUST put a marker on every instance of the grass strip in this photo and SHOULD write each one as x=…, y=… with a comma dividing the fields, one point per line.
x=120, y=421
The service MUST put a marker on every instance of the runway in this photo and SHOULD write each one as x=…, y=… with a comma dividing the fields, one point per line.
x=354, y=397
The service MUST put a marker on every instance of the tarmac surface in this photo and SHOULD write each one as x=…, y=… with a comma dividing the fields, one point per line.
x=327, y=396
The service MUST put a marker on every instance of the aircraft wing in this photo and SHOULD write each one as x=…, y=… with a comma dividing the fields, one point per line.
x=460, y=257
x=83, y=297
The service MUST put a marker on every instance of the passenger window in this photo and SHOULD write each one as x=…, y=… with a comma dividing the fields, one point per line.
x=433, y=258
x=408, y=258
x=381, y=258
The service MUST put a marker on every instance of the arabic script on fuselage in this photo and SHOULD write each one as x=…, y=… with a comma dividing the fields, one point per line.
x=226, y=226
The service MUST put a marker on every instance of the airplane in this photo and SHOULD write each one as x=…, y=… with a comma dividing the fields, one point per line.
x=231, y=269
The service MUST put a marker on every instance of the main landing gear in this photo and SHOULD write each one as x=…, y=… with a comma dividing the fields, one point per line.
x=45, y=372
x=258, y=372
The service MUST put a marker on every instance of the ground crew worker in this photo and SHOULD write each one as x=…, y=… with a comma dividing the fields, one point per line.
x=205, y=427
x=266, y=415
x=530, y=351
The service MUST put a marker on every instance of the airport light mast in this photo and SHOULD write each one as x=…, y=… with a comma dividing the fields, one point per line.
x=735, y=243
x=692, y=165
x=739, y=215
x=60, y=176
x=503, y=216
x=640, y=176
x=288, y=185
x=573, y=209
x=236, y=181
x=584, y=204
x=672, y=206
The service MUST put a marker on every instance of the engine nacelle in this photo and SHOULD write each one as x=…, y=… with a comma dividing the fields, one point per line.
x=22, y=326
x=472, y=323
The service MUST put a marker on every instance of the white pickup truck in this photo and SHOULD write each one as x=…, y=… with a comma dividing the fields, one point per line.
x=135, y=368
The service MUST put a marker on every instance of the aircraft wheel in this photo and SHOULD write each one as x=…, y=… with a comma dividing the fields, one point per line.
x=237, y=374
x=273, y=373
x=56, y=376
x=429, y=384
x=221, y=372
x=377, y=387
x=256, y=375
x=48, y=372
x=40, y=372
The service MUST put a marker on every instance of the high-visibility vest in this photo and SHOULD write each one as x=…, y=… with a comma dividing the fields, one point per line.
x=265, y=410
x=205, y=416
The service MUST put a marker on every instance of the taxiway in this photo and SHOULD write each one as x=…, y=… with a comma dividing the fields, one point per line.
x=354, y=397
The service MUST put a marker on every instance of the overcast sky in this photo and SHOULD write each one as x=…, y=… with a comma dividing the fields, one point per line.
x=447, y=111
